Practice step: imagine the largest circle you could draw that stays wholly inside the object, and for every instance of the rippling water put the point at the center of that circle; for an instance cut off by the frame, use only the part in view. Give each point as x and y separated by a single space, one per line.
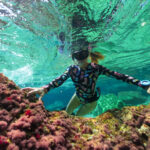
36 37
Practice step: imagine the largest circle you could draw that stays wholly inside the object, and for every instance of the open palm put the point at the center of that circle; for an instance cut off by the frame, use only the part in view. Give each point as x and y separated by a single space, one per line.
33 91
148 90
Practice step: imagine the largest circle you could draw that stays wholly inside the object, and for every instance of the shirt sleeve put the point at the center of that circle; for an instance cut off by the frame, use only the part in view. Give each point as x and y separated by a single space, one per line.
58 81
119 76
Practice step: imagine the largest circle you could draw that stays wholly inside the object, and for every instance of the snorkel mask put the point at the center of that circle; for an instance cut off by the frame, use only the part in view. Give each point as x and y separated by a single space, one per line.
80 55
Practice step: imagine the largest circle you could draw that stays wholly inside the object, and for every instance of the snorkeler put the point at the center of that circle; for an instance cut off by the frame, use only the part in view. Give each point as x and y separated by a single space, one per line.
84 75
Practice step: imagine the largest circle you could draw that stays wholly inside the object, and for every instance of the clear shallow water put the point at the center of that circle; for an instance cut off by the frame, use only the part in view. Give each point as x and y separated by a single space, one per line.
36 37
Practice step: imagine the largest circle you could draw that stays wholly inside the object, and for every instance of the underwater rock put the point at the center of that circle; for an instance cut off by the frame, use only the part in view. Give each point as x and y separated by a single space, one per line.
128 97
26 124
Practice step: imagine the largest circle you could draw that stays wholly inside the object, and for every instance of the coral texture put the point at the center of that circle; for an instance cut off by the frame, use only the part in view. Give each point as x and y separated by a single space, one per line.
25 124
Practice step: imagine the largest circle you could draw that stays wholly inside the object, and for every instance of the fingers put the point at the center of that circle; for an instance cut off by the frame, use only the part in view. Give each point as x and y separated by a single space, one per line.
32 92
148 91
40 98
27 88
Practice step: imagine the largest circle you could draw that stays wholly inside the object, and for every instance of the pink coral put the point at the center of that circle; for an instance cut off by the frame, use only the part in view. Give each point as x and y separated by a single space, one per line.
148 144
135 138
147 119
3 125
59 139
29 125
3 142
31 143
16 136
122 146
43 143
13 147
86 130
5 116
11 85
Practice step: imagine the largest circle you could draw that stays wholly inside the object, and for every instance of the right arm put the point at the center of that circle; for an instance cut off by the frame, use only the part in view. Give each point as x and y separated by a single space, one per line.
58 81
53 84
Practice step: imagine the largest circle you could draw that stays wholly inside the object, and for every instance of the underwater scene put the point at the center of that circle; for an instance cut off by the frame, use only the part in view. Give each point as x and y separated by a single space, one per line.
37 37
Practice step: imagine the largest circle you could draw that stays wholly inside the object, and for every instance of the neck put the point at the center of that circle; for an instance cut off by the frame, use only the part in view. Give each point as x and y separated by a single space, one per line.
83 65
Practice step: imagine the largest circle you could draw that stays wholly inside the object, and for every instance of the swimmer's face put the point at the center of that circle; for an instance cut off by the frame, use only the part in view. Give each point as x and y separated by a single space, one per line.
80 55
81 62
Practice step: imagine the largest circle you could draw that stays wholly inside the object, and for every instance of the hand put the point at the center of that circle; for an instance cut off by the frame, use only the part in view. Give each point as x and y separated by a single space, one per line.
148 90
40 91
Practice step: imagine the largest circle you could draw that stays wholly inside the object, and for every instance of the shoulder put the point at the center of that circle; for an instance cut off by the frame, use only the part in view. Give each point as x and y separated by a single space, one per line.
71 67
96 66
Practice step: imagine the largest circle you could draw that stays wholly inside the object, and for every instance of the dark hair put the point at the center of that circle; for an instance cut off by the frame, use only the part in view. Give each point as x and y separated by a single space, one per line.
80 55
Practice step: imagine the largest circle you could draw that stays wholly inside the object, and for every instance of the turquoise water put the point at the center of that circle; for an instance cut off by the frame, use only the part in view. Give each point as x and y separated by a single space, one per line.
36 38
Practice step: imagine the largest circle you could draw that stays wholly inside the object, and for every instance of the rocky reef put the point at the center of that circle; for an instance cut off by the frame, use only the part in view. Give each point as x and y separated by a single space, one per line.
26 125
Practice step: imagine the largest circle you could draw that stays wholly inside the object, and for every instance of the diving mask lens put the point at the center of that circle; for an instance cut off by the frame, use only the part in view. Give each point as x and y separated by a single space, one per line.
80 55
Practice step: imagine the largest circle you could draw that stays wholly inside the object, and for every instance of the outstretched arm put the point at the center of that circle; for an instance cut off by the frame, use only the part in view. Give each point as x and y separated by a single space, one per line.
55 83
126 78
58 81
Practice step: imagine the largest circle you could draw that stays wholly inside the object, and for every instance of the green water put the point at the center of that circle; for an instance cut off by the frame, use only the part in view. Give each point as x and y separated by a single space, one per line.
31 53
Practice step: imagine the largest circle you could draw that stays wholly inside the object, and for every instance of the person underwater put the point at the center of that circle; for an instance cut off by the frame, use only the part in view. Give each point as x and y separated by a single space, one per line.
84 74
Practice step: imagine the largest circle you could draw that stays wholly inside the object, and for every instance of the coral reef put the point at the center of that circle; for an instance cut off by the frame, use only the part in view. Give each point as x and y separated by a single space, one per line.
25 124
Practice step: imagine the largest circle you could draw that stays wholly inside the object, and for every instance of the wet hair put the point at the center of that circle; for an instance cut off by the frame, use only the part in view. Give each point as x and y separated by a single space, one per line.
96 56
83 54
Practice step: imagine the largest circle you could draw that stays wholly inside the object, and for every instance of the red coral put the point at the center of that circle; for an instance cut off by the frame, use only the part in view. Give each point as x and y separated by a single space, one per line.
28 113
37 136
3 141
77 136
9 98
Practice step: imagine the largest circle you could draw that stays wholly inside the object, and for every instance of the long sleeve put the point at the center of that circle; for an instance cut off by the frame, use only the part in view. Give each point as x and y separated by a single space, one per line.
124 77
58 81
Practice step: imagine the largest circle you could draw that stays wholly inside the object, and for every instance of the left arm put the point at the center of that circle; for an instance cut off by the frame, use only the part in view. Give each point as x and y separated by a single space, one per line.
126 78
58 81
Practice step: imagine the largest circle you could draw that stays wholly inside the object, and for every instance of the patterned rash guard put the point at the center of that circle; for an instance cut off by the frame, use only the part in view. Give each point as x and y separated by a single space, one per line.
85 80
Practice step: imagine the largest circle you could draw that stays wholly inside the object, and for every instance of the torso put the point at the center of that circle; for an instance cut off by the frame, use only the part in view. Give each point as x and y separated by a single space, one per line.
84 80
